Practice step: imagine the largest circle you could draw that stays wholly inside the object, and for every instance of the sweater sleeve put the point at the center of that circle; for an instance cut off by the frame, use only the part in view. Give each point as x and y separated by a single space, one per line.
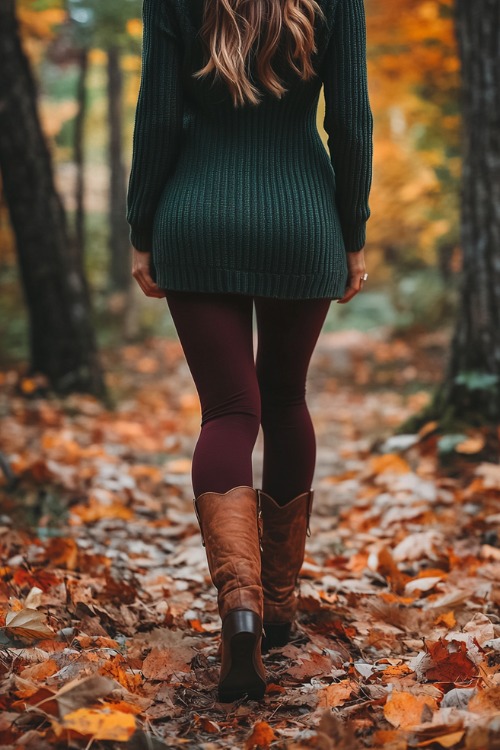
158 120
348 120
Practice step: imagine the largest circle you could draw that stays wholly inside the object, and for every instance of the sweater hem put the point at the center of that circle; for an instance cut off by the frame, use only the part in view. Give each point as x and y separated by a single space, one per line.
254 283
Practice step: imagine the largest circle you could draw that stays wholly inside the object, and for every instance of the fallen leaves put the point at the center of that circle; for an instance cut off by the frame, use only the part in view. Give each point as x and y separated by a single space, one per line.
337 694
162 663
28 625
261 737
109 626
99 724
406 710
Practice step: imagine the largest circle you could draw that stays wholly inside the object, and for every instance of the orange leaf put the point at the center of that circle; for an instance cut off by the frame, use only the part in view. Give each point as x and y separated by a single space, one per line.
447 619
101 724
486 701
40 671
336 694
261 737
445 740
272 687
471 445
427 428
406 710
206 724
131 681
62 553
389 462
44 579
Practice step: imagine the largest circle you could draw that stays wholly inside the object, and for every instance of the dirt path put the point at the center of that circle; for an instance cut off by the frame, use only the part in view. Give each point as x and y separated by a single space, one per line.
397 637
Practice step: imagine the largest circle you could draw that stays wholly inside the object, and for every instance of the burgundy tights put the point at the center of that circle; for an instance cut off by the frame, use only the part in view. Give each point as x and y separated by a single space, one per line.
238 394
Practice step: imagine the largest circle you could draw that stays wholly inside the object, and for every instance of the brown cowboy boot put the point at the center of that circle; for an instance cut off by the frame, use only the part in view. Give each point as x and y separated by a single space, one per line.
230 533
283 546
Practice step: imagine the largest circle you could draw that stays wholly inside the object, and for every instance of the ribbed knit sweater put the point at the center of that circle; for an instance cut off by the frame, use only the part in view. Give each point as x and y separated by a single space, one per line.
249 200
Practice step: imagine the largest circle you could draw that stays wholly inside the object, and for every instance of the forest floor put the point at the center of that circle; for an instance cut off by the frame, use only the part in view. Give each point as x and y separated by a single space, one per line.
109 630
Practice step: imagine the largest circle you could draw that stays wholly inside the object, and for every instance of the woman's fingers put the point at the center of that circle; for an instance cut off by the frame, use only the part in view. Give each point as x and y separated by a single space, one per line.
142 274
356 266
148 286
354 285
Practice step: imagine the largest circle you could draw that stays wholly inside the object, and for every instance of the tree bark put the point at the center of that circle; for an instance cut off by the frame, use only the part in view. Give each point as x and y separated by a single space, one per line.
62 339
120 274
81 96
471 391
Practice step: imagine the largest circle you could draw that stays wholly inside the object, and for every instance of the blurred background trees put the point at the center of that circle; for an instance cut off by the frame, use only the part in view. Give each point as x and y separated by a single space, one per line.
86 56
61 333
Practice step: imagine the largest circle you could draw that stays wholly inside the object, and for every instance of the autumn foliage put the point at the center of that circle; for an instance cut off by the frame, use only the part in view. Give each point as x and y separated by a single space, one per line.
109 627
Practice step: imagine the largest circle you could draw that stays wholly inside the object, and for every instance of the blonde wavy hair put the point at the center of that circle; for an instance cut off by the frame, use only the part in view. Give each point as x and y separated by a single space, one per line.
231 29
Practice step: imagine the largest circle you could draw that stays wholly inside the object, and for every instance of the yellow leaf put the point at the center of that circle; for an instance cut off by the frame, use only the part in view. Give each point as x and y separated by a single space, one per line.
134 27
101 724
389 462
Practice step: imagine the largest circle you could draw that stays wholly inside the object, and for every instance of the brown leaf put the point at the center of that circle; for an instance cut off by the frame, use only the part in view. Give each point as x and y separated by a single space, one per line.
62 553
173 655
78 692
450 662
307 668
28 625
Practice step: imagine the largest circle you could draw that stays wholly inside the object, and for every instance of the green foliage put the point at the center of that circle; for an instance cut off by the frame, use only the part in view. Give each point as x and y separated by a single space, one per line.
448 443
40 5
104 24
477 380
422 298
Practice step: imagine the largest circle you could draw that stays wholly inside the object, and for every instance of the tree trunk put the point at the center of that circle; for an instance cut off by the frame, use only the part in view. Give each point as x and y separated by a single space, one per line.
61 335
81 96
120 273
471 391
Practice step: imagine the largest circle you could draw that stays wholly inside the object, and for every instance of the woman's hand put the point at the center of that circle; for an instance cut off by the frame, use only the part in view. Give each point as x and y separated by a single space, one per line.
356 266
141 271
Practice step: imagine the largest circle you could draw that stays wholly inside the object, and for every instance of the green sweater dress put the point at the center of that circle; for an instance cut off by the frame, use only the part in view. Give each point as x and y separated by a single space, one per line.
249 200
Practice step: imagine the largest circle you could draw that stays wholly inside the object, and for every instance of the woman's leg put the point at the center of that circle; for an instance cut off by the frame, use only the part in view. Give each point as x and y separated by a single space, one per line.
288 331
215 332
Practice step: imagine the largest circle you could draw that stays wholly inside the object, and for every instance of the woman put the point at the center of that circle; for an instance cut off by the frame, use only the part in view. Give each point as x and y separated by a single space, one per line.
233 202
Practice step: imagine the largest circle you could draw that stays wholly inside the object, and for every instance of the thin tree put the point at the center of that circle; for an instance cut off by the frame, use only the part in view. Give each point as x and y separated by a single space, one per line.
104 25
62 340
119 242
470 393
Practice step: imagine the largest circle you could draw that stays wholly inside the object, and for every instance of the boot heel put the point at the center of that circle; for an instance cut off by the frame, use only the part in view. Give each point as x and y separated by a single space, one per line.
275 635
241 639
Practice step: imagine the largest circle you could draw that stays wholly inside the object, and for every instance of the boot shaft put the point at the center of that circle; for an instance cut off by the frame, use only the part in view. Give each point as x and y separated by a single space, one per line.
229 525
285 528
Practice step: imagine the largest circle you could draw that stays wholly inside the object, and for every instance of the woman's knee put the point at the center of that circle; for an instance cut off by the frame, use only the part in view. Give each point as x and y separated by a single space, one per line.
242 407
279 405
